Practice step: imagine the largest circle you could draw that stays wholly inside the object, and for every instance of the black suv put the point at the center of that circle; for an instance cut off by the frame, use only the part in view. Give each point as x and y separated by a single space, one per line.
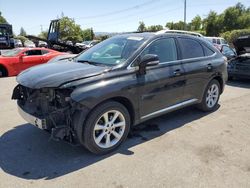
95 97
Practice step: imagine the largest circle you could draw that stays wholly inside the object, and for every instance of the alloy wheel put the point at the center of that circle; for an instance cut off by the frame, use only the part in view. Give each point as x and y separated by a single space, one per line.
212 95
109 129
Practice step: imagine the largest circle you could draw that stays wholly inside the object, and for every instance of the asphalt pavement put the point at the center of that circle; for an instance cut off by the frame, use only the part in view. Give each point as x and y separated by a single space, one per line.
186 148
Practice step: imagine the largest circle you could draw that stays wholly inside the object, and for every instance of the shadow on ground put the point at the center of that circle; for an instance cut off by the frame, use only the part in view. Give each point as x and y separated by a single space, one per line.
242 83
27 152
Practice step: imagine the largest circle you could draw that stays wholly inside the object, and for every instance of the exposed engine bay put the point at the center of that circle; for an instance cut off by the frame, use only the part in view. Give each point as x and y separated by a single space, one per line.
50 109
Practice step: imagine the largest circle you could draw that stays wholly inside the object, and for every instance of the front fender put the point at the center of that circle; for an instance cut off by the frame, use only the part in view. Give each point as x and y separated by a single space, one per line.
92 94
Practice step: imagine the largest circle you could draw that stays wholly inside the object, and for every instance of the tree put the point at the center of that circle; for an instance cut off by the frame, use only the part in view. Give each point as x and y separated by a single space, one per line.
213 24
69 30
2 19
88 34
175 26
22 32
154 28
142 27
22 38
233 18
196 23
170 25
43 34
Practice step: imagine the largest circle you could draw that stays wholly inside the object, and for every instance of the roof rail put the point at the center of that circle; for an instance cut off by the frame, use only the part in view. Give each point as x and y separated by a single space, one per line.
179 32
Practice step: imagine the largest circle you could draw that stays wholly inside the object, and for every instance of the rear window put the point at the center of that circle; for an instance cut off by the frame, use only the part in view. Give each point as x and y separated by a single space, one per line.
190 48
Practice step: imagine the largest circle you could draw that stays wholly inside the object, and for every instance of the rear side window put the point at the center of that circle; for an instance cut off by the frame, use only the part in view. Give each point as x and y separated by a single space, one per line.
190 48
164 48
45 52
208 51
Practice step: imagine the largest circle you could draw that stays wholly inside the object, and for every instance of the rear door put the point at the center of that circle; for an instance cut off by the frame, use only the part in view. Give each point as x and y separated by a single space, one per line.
197 60
162 86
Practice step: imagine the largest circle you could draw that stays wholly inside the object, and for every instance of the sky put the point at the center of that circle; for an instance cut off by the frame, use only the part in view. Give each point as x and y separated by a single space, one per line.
108 15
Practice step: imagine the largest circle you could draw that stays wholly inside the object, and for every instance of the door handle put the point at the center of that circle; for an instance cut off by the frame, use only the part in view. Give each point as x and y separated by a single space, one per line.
177 72
209 67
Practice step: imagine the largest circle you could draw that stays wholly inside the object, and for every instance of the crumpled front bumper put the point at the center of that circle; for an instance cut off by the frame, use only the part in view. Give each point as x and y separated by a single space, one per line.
38 122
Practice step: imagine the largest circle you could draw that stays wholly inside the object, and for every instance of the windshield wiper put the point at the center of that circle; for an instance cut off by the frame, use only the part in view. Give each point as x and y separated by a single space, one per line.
90 62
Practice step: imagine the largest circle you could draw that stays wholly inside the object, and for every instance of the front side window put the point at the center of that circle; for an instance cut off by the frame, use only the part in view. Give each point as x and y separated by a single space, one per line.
164 48
190 48
33 52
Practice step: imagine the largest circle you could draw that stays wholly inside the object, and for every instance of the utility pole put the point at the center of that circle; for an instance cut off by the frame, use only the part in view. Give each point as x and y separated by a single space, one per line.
185 14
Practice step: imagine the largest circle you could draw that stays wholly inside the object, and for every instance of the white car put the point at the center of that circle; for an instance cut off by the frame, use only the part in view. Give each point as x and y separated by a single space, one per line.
217 40
29 44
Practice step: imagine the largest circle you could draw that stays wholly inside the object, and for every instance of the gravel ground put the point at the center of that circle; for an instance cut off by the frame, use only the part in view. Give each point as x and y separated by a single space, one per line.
186 148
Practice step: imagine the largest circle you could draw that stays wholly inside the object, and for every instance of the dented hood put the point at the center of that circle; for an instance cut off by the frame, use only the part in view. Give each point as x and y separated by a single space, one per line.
55 74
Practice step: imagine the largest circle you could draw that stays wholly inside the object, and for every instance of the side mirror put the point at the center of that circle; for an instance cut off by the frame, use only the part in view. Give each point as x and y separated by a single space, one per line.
148 61
21 56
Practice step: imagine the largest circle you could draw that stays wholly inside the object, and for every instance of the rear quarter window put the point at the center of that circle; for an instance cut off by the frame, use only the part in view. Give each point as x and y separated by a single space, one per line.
190 48
45 52
208 51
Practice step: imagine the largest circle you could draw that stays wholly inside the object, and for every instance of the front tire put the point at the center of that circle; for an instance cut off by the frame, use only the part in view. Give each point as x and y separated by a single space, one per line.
210 97
106 127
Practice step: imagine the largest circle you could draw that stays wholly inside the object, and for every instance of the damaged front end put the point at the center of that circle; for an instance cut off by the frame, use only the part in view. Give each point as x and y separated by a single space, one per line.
50 109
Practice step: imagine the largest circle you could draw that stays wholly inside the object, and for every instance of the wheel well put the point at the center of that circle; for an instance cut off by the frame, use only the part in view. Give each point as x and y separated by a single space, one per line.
127 103
219 79
5 71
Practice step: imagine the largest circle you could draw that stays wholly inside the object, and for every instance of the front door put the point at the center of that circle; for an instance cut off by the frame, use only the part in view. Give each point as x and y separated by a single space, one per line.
31 58
162 86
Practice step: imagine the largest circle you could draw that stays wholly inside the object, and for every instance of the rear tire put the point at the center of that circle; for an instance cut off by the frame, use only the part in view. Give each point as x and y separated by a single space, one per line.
3 72
211 96
106 127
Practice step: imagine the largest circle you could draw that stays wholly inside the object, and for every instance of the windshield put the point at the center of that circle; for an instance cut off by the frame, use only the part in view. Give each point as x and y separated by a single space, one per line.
11 53
3 31
112 51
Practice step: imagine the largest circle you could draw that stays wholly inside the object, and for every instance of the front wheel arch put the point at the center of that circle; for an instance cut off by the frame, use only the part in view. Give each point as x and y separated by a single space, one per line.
84 128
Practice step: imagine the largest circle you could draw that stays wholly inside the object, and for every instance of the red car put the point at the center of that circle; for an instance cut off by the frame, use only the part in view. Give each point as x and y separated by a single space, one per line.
12 62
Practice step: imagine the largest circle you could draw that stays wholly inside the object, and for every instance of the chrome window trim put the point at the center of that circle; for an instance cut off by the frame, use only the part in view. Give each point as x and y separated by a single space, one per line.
169 62
190 101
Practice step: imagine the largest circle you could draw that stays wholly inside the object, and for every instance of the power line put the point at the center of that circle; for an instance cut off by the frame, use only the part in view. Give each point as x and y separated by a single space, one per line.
118 11
128 16
165 12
